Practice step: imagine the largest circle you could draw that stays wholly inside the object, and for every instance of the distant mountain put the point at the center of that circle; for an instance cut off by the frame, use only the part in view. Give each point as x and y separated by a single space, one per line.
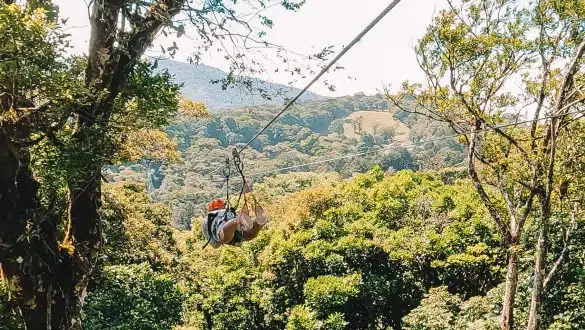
198 86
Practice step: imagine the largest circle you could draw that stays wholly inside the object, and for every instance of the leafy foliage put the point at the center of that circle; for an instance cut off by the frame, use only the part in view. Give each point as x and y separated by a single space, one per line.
411 249
149 145
133 297
137 230
9 319
134 287
352 255
63 119
193 109
442 310
469 54
328 293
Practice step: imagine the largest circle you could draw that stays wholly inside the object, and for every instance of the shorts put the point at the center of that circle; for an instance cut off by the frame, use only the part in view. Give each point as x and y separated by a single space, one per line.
219 219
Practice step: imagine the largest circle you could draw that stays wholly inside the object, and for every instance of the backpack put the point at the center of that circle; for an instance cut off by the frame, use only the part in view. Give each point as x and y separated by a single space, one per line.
211 217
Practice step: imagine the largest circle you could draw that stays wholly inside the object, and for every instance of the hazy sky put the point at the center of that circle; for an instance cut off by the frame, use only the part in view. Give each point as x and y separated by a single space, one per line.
384 56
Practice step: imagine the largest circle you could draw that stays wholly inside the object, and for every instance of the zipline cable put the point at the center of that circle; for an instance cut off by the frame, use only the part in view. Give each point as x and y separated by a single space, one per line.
325 69
487 129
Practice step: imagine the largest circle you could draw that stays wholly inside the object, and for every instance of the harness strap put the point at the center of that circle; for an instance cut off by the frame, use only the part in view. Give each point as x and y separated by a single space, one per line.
227 171
210 220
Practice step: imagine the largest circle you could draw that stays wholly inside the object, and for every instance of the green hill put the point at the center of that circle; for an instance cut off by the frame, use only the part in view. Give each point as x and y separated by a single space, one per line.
307 133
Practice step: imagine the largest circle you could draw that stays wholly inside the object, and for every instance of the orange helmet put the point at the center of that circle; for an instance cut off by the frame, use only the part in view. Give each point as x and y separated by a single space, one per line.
216 204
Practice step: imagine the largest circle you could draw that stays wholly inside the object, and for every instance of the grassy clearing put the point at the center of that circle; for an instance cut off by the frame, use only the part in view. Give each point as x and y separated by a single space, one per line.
373 121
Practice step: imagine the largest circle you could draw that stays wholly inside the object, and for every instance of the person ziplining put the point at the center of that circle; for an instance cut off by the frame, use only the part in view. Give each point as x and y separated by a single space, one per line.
222 226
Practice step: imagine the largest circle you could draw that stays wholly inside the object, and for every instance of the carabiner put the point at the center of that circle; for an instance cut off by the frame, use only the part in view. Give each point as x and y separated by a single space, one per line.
227 170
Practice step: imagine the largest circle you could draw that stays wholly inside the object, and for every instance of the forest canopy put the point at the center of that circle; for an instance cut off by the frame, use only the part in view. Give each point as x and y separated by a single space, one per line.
458 203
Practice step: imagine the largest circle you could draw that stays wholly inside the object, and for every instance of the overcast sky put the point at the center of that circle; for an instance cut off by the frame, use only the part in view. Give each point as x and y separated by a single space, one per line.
384 56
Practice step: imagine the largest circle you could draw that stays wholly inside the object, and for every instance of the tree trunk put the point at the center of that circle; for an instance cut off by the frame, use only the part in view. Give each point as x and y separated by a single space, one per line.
539 271
86 235
510 234
507 317
46 276
46 281
46 305
537 281
18 204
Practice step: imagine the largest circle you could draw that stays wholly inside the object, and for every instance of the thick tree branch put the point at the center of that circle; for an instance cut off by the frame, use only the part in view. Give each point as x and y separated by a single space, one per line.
494 213
566 242
509 206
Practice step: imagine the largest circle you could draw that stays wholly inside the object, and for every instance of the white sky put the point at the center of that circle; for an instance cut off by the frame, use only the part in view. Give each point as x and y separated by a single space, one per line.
384 56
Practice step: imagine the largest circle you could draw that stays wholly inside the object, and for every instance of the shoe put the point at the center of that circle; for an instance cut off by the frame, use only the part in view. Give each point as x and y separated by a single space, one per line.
261 217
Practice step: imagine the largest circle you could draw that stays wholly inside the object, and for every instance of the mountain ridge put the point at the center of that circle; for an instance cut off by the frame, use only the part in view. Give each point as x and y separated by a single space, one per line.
198 86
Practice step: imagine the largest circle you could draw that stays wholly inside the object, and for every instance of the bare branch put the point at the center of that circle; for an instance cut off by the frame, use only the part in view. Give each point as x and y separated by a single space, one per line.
572 69
527 210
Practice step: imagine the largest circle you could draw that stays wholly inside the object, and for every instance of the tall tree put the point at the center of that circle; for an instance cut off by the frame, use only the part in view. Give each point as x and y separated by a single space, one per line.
62 120
561 41
470 55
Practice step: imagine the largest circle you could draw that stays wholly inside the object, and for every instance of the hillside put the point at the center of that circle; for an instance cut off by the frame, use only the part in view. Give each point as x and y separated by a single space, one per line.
197 79
309 132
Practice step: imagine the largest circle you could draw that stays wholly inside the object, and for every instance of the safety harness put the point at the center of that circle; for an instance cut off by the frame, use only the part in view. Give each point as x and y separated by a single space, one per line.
212 217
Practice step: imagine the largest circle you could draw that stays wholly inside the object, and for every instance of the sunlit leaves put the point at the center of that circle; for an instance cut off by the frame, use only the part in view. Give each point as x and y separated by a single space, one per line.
327 293
435 312
33 71
329 253
193 109
149 101
136 229
302 318
134 297
442 310
149 145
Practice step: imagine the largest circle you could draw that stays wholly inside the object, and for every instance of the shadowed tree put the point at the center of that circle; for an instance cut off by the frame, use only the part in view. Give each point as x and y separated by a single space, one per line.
62 120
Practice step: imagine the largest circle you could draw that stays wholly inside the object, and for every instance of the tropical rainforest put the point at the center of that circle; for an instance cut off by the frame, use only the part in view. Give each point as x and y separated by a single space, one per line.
451 203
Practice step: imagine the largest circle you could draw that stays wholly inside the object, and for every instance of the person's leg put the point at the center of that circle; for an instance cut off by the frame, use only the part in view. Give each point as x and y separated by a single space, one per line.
260 221
244 216
251 233
227 231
